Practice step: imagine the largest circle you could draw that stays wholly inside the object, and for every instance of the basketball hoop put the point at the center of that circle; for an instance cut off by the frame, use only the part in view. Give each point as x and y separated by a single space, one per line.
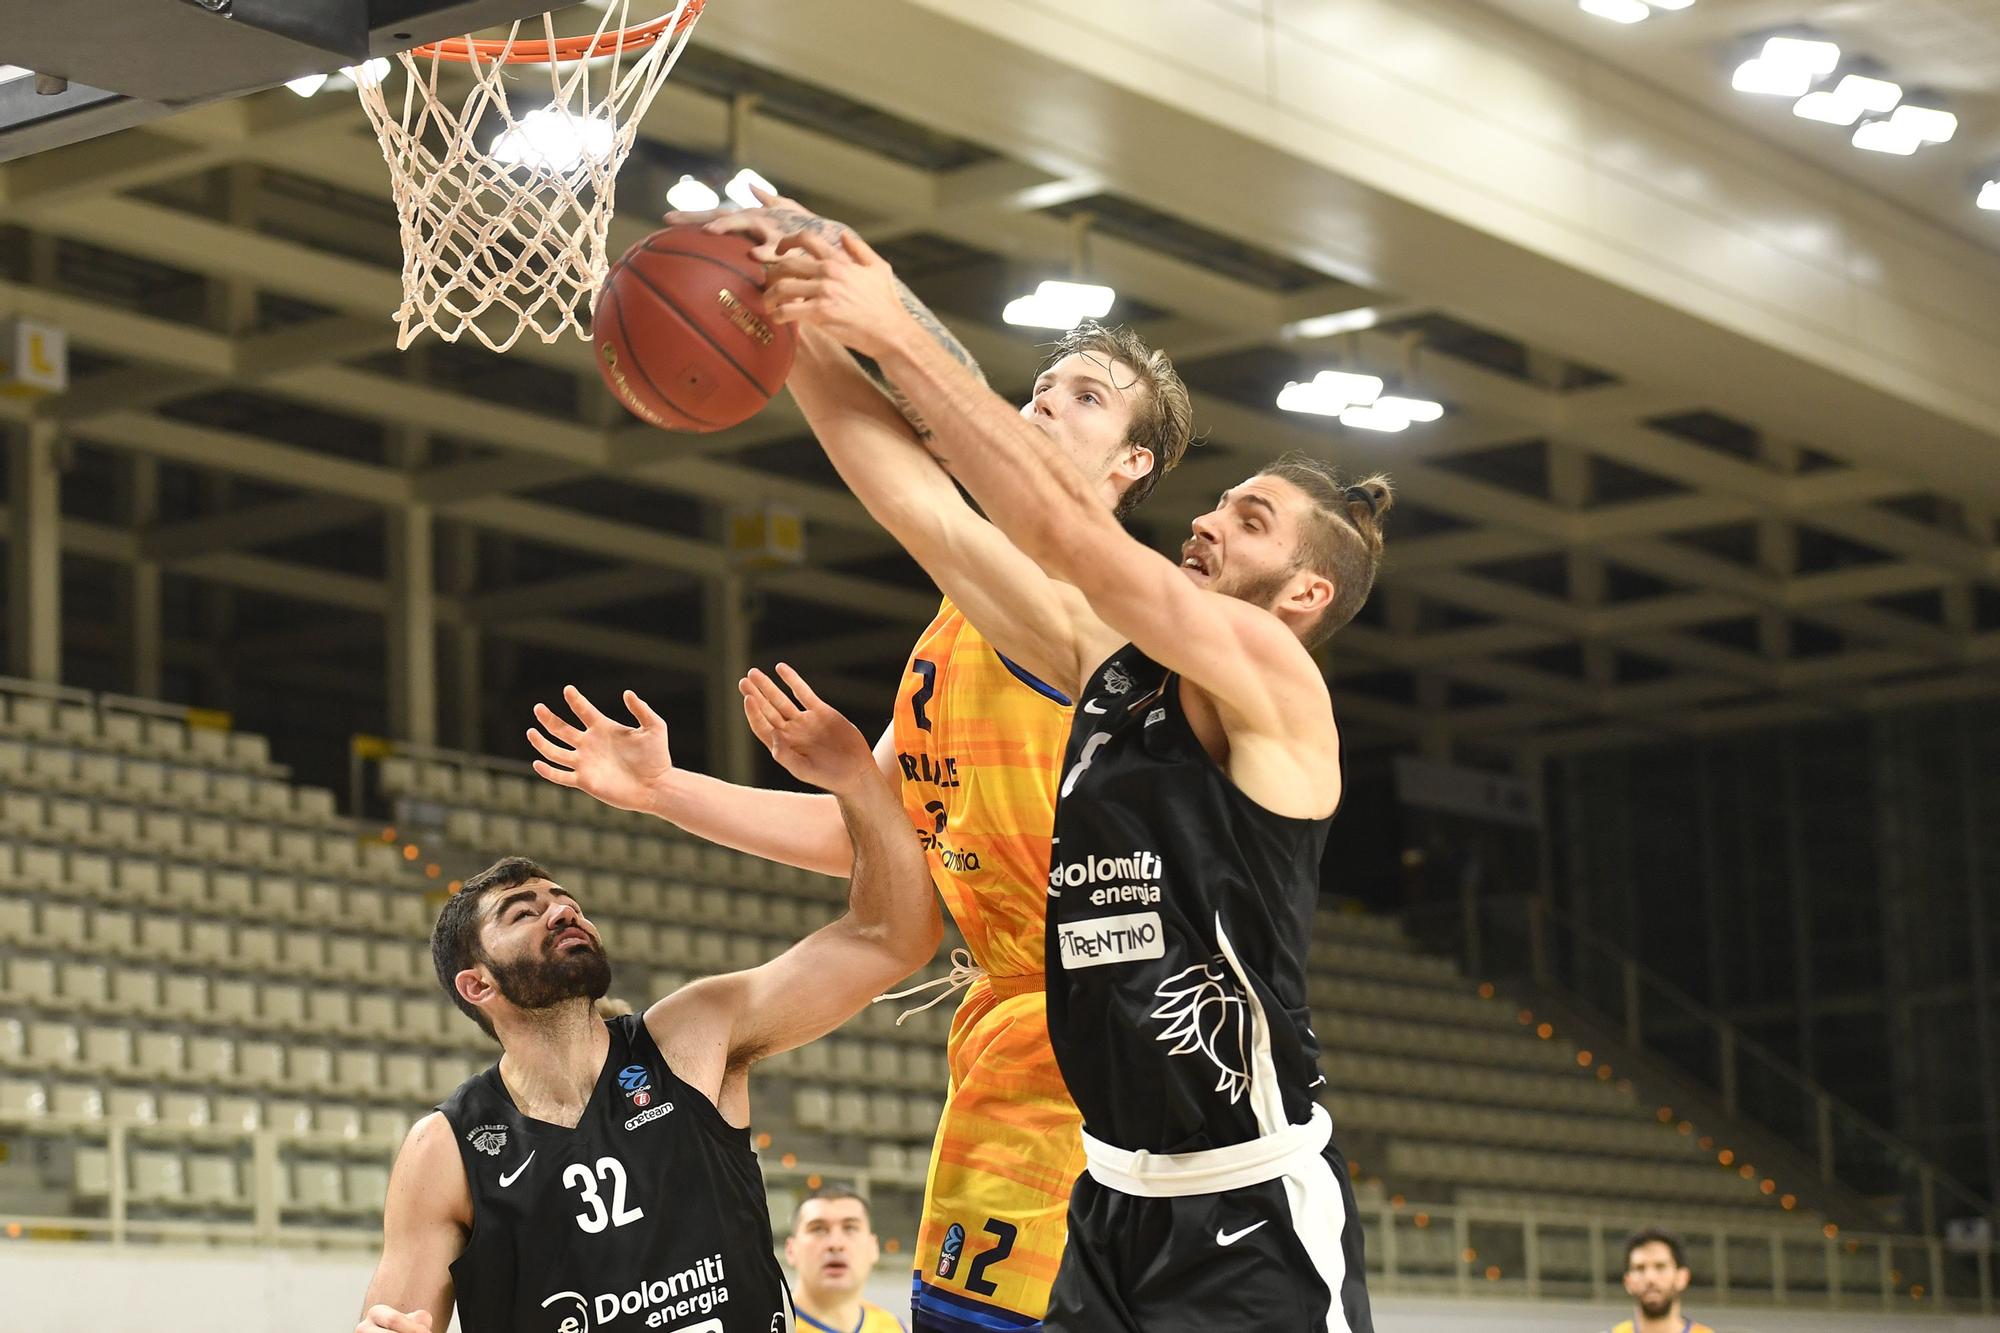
518 225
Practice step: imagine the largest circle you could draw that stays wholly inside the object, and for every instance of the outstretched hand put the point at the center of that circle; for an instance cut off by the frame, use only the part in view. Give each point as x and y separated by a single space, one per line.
619 765
839 285
775 218
811 738
388 1319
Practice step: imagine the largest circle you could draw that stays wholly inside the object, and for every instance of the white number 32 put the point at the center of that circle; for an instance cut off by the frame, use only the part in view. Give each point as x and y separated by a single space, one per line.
578 1177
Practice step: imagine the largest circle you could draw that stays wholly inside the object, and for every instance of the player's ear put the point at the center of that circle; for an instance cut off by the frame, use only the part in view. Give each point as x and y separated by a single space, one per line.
1138 463
1312 592
475 985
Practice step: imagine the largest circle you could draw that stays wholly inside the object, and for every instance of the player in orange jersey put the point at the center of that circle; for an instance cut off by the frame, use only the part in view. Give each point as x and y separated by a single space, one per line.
975 743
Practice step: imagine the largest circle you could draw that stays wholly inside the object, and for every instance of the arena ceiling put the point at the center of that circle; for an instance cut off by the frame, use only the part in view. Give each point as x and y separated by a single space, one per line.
1722 416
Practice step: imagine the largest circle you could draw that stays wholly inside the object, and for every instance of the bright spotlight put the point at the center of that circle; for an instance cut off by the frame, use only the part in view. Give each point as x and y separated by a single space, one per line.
688 195
308 85
1349 388
555 141
1989 196
1869 94
369 73
1060 305
1373 418
1827 108
1411 409
738 188
1886 136
1927 123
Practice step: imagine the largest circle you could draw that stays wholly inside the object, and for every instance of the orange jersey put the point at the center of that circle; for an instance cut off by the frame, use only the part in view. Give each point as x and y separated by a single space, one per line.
980 744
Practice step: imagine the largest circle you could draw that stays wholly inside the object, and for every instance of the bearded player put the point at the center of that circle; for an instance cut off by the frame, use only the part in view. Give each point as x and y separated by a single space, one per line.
975 745
600 1176
1200 779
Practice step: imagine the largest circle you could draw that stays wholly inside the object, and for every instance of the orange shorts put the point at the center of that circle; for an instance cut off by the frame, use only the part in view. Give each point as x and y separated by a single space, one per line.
1009 1147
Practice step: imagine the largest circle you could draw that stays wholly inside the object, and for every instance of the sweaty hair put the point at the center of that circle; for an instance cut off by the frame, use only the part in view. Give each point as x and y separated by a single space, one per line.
1342 539
455 938
832 1193
1656 1236
1163 421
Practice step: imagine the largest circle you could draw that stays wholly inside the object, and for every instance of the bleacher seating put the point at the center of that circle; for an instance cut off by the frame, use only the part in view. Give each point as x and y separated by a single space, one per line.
193 948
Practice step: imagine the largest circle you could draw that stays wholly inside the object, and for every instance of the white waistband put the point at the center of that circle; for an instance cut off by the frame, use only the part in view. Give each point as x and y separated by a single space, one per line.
1176 1175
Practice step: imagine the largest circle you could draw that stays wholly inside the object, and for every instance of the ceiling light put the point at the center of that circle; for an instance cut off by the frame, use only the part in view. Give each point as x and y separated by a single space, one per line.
1814 57
1308 397
1410 409
1328 326
1060 305
688 195
1618 11
1761 76
1989 196
738 188
307 86
1349 388
554 140
1886 136
1672 4
1828 108
1927 123
1373 418
369 73
1869 94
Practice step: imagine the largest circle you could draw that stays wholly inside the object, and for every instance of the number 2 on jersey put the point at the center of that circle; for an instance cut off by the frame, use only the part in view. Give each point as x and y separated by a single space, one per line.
922 698
579 1177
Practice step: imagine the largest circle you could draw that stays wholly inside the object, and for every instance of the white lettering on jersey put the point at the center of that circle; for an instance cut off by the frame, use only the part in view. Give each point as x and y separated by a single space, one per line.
1111 939
1090 749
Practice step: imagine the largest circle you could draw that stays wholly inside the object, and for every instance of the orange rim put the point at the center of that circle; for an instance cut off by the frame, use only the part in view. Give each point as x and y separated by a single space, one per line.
464 51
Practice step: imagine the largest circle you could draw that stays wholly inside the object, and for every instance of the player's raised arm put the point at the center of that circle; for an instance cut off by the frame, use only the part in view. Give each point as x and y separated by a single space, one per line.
425 1220
1034 493
632 768
1032 619
891 926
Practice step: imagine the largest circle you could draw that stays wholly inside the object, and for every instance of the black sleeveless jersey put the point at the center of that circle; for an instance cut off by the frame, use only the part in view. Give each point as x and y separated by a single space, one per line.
1179 914
650 1214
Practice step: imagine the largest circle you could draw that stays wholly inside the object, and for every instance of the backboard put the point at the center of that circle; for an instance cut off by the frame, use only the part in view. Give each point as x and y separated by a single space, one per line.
108 64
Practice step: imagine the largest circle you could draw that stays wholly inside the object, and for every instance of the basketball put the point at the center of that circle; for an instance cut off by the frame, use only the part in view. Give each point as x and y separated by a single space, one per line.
682 336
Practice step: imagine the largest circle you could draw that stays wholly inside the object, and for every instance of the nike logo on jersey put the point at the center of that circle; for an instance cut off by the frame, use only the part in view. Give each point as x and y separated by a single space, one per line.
1226 1238
515 1174
1092 706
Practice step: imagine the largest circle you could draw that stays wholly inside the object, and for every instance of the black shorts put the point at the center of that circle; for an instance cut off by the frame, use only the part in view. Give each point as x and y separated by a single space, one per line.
1281 1257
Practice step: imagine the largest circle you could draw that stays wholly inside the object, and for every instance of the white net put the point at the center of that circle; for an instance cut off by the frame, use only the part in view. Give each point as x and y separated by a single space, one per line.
505 217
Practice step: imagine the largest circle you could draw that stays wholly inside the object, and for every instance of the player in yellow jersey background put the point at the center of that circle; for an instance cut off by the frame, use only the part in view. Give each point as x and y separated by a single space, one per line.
831 1252
975 743
1656 1276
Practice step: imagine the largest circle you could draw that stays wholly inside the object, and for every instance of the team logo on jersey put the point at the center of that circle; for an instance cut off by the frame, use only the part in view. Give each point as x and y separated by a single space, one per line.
1116 681
1157 715
1206 1015
489 1139
572 1315
1128 938
954 1245
637 1080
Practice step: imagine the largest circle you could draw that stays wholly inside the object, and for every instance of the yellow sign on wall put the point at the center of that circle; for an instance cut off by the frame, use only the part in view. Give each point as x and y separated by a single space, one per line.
34 359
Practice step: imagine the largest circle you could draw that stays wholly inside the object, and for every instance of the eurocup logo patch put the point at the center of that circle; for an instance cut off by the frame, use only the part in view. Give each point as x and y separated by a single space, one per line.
637 1081
954 1245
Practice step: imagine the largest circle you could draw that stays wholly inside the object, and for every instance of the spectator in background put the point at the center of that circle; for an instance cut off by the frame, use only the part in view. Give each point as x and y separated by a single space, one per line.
1656 1274
831 1251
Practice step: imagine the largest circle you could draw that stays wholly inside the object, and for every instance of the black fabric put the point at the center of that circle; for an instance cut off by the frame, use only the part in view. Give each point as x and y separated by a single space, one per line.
650 1214
1156 850
1138 1265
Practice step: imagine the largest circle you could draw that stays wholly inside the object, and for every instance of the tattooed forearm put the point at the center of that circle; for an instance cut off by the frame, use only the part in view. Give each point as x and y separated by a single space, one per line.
791 221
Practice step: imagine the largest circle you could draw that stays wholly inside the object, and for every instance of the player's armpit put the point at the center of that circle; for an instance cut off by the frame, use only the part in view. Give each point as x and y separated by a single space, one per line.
425 1220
